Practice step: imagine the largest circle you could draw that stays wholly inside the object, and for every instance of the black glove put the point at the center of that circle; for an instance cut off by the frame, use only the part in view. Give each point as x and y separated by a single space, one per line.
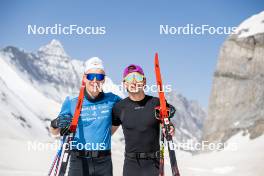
170 110
64 121
55 123
64 124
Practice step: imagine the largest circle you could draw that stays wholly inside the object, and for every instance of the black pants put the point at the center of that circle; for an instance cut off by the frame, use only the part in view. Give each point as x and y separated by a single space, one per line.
81 166
141 167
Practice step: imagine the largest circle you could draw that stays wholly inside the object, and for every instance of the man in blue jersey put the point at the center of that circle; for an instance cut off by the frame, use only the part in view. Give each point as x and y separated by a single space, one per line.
91 147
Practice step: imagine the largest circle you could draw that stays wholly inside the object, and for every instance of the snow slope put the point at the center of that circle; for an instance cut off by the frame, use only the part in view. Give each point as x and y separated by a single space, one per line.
23 108
246 160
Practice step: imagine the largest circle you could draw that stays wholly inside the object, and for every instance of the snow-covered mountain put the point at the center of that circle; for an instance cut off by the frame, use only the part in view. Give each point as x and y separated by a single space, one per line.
50 67
33 85
24 109
237 97
188 118
251 26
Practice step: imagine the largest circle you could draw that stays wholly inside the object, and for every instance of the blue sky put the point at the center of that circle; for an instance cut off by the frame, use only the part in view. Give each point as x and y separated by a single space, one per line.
132 35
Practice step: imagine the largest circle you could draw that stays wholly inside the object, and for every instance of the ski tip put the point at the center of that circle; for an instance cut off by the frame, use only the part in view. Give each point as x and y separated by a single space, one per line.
156 58
83 79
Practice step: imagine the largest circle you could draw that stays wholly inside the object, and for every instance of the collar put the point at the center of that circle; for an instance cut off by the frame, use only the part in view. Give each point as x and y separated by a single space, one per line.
94 99
141 102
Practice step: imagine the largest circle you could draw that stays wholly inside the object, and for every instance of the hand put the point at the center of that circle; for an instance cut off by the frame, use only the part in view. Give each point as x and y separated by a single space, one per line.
64 124
55 123
64 121
170 110
171 132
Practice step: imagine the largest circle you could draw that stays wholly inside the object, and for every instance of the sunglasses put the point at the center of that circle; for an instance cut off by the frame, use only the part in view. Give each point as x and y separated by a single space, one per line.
134 76
91 76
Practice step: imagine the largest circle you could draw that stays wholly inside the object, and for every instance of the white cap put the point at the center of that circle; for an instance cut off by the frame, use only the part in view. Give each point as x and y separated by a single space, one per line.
94 63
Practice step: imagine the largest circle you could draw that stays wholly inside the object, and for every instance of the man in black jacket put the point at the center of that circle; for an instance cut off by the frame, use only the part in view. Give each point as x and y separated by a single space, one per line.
136 114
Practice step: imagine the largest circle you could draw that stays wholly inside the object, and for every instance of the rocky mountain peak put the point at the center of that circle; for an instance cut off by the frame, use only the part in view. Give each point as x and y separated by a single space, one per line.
54 48
237 97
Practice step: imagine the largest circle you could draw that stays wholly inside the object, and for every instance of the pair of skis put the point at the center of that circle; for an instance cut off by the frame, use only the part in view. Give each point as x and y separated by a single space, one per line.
164 117
59 165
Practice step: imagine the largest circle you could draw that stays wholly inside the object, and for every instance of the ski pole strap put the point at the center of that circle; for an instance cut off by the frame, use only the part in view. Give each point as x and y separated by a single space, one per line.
143 155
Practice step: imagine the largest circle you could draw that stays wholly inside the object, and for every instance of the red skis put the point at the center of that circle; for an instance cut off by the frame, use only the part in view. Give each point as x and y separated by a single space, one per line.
166 124
74 123
78 108
61 161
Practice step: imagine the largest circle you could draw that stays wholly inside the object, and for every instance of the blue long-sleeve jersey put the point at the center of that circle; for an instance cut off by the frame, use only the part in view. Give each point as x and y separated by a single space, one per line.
95 121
